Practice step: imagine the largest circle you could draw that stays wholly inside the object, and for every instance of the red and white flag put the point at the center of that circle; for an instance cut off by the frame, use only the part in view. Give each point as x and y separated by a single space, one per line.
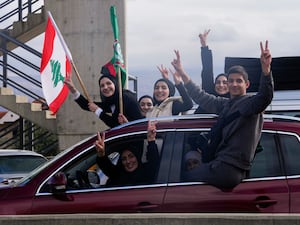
55 66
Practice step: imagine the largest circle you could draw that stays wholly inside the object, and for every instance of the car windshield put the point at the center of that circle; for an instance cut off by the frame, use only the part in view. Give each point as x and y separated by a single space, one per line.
18 164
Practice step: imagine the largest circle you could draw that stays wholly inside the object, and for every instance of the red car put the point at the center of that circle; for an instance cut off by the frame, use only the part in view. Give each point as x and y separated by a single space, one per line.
71 183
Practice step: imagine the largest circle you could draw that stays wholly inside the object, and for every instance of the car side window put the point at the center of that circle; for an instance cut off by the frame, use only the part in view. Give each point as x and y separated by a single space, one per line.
291 152
84 172
266 161
148 164
191 154
265 164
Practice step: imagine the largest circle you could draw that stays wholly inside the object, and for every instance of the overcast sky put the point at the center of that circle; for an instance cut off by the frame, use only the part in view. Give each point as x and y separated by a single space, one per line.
156 27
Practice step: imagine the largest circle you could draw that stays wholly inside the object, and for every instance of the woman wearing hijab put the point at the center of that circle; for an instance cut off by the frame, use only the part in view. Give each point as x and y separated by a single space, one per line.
108 110
217 87
165 103
192 161
130 170
146 104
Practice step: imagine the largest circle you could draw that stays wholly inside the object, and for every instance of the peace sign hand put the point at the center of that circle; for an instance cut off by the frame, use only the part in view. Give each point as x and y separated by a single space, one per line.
265 59
176 63
99 144
164 72
203 37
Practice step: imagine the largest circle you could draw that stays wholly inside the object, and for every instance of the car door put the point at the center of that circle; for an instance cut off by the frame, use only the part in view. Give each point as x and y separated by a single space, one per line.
290 144
265 190
100 198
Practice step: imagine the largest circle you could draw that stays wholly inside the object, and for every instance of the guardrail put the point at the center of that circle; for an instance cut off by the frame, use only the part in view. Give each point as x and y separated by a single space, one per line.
157 219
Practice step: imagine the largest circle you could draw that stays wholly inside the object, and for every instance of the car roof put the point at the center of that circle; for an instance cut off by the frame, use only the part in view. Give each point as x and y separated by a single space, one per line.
194 121
14 152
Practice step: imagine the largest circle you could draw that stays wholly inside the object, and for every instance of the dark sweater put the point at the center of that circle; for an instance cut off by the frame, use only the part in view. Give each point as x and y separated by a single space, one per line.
240 137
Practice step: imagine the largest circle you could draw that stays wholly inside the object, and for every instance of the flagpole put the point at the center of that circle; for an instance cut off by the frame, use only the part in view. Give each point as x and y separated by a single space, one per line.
120 91
81 83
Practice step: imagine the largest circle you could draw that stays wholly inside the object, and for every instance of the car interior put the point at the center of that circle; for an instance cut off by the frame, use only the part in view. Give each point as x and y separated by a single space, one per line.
84 172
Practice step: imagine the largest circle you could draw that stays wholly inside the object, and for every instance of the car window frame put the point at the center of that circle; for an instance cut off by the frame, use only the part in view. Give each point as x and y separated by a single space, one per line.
174 178
162 173
285 160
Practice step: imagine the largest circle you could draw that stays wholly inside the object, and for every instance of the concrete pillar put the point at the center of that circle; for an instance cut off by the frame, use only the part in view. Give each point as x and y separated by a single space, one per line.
86 28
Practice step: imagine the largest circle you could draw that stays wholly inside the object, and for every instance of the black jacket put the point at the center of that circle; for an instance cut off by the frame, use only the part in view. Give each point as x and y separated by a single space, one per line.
144 174
130 109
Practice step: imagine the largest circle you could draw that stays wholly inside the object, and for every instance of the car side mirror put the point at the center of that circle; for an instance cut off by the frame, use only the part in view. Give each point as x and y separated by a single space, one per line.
58 183
58 186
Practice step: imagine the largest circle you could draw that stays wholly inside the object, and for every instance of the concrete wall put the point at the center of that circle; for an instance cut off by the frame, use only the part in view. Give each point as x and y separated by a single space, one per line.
86 28
154 219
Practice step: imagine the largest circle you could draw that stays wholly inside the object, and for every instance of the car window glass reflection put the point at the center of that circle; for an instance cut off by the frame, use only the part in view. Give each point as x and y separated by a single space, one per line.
291 147
266 161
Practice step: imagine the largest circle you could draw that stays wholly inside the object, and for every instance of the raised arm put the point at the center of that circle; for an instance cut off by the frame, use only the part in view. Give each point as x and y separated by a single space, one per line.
104 163
207 76
264 96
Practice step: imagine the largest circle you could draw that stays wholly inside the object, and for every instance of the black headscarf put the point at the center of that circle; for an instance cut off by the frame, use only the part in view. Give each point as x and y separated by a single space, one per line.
137 152
112 100
171 87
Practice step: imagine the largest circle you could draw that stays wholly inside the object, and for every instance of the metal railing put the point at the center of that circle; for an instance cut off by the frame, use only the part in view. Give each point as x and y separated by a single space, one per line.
20 68
17 10
23 134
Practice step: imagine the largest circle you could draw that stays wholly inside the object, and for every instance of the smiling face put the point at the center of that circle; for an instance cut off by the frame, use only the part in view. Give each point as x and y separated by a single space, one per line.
221 86
107 87
145 105
161 91
237 85
129 161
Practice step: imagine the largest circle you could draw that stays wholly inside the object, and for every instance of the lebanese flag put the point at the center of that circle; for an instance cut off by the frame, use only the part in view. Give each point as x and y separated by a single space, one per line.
55 67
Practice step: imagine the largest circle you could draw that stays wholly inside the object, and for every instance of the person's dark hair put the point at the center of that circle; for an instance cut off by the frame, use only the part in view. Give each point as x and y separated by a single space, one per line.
171 87
238 69
145 96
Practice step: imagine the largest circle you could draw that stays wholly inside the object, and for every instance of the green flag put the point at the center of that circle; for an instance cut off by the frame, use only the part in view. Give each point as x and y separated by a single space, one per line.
117 59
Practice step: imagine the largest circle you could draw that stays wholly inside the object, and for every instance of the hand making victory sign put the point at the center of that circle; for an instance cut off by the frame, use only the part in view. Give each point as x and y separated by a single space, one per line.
99 144
265 59
176 63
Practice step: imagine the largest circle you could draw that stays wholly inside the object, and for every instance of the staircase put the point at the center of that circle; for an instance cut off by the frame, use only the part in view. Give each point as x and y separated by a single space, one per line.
24 31
31 111
21 90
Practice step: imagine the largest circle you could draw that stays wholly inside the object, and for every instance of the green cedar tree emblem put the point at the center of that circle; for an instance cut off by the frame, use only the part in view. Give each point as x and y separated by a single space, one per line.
56 72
